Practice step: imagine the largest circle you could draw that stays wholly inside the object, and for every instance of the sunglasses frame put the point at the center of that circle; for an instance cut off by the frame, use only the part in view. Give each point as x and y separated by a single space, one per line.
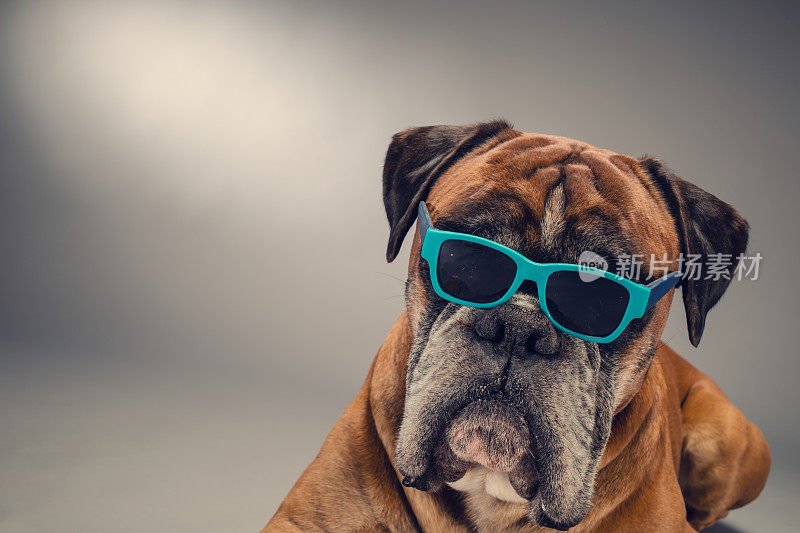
641 297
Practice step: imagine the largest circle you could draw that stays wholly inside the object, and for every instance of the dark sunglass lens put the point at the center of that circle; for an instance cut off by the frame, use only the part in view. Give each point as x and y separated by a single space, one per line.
594 307
473 272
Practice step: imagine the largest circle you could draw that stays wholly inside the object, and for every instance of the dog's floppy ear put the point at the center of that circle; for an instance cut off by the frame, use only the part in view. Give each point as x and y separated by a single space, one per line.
416 157
706 225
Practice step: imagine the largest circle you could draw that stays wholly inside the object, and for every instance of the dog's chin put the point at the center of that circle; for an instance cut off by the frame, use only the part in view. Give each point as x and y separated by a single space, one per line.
489 450
489 433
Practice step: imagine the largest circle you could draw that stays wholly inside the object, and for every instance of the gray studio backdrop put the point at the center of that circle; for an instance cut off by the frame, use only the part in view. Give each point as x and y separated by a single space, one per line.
192 274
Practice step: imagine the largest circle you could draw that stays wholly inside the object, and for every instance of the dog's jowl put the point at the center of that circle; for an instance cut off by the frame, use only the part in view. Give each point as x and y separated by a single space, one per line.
521 389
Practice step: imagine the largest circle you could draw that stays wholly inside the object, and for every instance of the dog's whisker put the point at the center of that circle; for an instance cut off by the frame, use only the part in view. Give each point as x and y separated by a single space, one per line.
673 336
392 277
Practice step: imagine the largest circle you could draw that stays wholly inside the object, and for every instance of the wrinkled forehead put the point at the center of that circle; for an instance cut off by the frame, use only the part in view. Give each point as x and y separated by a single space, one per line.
552 197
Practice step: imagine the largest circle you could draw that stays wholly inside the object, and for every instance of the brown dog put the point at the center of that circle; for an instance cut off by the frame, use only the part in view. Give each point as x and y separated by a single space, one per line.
497 420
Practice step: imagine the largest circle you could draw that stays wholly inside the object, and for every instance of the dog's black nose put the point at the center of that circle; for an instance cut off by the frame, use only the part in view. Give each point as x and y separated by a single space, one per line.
525 329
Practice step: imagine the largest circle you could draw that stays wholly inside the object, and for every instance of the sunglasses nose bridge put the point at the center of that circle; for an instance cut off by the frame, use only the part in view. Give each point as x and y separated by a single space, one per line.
530 278
532 272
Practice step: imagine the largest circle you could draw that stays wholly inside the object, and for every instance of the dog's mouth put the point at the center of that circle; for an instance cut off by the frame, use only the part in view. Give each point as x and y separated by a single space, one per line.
538 424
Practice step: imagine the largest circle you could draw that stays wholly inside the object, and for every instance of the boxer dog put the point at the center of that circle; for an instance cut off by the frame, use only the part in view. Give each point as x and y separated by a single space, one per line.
517 416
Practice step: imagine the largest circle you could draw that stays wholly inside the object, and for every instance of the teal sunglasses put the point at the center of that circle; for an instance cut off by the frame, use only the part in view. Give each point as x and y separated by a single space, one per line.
585 302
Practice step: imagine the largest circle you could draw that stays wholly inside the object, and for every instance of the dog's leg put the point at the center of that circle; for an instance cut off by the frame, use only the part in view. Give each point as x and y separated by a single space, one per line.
725 458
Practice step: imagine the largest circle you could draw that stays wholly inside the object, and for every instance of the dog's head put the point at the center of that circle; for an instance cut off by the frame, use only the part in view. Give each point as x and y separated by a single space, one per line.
501 388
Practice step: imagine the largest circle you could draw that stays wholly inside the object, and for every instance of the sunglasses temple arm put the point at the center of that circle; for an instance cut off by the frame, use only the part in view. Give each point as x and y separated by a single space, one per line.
661 287
424 221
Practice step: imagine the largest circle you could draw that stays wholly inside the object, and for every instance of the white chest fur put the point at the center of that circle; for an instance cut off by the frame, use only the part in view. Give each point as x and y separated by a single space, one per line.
480 479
